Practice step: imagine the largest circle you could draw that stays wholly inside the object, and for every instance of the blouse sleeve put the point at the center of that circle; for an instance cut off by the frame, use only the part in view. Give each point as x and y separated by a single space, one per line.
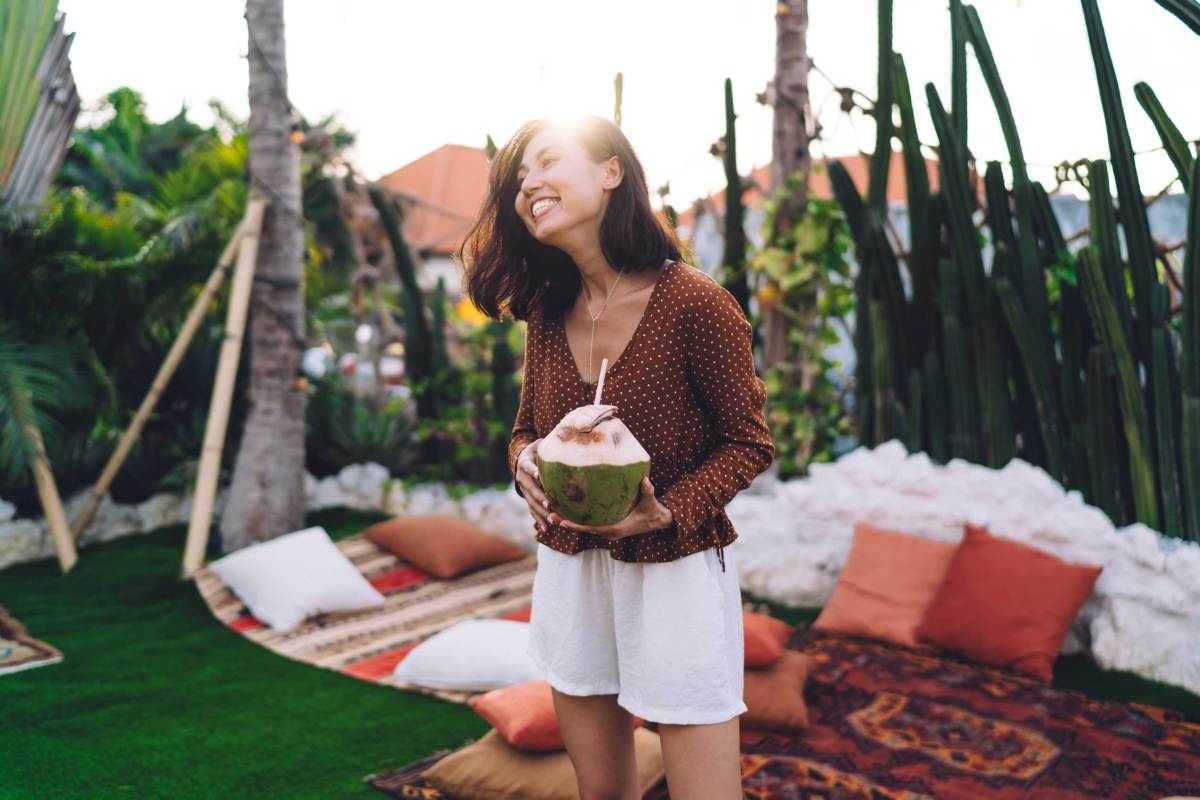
523 431
718 351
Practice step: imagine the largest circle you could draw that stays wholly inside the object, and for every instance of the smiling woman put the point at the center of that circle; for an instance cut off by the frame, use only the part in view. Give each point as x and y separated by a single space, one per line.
517 260
641 616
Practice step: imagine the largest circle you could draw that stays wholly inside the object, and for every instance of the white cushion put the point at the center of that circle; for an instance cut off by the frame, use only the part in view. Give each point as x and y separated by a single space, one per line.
473 655
292 577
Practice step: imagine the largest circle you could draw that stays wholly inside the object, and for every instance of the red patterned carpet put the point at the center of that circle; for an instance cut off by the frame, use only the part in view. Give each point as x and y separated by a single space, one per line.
892 722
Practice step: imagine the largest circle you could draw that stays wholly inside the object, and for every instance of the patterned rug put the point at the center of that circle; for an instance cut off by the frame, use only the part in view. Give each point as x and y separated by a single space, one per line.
891 723
20 651
368 644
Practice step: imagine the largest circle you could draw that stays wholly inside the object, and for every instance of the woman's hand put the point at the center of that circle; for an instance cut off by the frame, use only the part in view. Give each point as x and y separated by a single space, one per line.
647 515
531 485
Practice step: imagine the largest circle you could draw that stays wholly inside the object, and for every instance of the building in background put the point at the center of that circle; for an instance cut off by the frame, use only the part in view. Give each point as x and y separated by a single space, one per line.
446 188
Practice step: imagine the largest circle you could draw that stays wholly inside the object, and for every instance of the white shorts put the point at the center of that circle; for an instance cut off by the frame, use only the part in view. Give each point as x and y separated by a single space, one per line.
666 638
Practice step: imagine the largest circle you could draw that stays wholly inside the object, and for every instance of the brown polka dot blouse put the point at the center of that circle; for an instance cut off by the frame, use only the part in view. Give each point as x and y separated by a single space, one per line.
686 387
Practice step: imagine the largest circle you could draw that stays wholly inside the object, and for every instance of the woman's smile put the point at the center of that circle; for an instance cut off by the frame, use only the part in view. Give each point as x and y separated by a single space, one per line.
542 207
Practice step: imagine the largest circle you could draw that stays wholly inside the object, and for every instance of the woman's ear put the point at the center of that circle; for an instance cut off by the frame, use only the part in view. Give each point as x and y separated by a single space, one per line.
613 172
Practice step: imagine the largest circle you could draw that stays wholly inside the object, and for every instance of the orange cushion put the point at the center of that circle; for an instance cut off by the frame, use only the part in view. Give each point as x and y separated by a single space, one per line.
765 637
1006 604
524 715
774 696
888 582
442 545
489 769
520 615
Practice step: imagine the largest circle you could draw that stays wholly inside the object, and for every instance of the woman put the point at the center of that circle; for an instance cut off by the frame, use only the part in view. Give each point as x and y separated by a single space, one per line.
642 617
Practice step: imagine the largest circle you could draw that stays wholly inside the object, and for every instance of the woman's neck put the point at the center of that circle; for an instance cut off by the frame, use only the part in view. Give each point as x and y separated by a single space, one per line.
598 277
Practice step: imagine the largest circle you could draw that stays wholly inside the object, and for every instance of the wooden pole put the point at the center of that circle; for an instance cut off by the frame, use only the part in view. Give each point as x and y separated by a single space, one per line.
56 517
222 396
190 325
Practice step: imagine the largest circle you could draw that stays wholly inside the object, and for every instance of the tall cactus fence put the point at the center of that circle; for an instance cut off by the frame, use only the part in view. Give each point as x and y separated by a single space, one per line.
1085 362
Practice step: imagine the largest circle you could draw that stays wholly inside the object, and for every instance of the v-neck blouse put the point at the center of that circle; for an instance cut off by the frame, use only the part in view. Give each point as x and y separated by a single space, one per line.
561 327
685 385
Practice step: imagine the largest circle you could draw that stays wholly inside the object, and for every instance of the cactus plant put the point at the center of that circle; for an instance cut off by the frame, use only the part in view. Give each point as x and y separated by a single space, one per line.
1104 237
1070 361
1188 11
1133 414
1104 447
881 159
1129 193
1033 359
1189 372
418 340
1164 430
735 230
1176 146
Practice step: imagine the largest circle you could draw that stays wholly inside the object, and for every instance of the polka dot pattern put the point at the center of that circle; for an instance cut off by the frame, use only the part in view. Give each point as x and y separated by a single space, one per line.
686 387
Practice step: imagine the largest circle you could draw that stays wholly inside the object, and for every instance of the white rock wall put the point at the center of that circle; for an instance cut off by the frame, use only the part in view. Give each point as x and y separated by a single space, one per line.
1143 616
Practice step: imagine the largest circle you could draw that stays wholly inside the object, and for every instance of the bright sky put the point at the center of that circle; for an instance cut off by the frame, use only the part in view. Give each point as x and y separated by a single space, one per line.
410 76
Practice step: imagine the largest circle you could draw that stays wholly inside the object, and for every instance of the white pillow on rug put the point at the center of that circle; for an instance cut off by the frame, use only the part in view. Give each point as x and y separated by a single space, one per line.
475 655
288 579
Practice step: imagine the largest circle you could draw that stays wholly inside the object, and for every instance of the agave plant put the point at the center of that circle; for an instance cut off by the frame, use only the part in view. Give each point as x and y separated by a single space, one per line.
39 103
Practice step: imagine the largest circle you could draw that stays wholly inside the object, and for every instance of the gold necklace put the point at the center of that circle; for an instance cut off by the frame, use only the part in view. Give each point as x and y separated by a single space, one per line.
587 302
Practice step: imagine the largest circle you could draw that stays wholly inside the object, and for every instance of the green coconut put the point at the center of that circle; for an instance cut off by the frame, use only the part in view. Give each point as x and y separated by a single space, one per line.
592 467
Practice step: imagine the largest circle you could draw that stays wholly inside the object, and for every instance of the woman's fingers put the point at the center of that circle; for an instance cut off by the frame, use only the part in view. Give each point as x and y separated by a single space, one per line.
538 493
533 489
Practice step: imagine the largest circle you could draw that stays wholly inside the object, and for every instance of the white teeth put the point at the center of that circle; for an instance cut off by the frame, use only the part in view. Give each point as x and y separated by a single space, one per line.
540 206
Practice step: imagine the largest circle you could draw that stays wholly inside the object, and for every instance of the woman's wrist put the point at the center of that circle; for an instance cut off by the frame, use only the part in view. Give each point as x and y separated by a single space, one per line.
667 517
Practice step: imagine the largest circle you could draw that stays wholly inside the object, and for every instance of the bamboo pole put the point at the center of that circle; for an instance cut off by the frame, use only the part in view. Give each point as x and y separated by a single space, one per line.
56 517
190 325
222 395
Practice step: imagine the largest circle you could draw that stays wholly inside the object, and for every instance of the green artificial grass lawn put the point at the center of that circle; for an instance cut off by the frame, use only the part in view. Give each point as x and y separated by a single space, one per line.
155 698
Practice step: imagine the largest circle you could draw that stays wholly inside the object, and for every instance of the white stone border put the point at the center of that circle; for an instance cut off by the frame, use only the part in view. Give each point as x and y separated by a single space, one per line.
1143 616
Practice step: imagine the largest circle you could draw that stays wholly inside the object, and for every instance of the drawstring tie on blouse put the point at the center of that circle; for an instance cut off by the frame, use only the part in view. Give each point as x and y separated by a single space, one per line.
720 549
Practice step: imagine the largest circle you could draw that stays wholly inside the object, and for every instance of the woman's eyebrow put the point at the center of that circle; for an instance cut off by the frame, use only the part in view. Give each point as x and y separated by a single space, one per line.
536 156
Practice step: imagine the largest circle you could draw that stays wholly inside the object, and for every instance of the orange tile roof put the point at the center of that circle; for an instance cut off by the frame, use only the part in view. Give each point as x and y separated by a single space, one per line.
857 164
449 184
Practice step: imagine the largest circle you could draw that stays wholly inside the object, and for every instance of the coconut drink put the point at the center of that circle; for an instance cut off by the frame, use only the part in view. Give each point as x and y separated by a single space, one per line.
591 465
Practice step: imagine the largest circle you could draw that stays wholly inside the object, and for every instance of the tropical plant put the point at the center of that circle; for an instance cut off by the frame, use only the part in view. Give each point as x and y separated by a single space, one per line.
805 277
344 428
39 104
1070 360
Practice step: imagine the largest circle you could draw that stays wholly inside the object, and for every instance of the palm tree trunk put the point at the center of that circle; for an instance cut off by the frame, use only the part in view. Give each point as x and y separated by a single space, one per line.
266 497
789 143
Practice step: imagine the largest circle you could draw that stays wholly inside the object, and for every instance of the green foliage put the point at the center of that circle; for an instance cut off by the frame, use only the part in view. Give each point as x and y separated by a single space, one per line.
342 428
32 384
468 438
809 264
103 278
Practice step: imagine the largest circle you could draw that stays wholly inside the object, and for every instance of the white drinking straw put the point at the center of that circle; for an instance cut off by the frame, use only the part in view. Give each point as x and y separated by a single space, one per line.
600 383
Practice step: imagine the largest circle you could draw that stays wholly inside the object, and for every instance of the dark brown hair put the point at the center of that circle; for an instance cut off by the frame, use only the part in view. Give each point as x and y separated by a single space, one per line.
508 270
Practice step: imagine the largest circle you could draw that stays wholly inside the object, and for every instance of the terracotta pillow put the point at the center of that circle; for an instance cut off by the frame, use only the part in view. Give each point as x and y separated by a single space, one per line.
888 582
442 545
491 769
524 715
765 636
774 696
1006 604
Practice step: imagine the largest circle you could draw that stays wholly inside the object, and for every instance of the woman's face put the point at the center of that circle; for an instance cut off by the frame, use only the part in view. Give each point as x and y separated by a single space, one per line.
562 192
